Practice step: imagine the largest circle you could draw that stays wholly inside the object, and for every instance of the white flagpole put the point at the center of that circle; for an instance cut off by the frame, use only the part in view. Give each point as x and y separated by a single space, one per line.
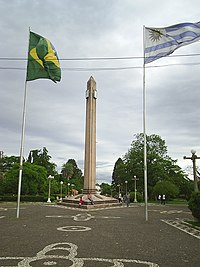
21 151
144 132
22 145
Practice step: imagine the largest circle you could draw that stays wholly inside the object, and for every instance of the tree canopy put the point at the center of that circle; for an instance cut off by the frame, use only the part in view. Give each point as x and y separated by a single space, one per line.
34 179
42 158
72 175
36 169
162 172
161 167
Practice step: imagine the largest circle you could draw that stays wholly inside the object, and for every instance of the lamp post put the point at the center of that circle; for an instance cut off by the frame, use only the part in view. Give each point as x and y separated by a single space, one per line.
61 183
72 188
49 195
68 184
126 186
135 179
120 196
193 158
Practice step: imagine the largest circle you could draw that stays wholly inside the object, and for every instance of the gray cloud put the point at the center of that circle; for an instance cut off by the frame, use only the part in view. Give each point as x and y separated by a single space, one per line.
55 115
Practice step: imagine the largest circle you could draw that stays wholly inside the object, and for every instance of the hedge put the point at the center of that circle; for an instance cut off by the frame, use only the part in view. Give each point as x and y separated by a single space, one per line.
24 198
194 205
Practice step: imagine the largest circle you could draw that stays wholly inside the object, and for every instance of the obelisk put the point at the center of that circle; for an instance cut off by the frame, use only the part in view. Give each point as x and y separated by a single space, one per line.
94 200
90 139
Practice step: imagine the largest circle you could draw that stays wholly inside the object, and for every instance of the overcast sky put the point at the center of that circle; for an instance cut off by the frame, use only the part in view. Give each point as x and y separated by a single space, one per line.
55 114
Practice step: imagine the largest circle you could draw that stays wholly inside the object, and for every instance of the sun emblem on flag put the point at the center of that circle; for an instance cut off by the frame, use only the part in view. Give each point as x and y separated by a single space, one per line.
155 35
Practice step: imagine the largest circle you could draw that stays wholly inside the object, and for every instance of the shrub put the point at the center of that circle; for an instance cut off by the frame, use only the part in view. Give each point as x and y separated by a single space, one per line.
138 195
8 198
24 198
194 205
29 198
165 188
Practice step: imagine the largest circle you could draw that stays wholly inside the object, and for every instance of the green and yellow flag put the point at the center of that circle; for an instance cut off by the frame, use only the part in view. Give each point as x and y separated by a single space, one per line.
43 60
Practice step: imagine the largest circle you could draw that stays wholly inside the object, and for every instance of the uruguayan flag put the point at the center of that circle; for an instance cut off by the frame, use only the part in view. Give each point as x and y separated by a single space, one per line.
160 42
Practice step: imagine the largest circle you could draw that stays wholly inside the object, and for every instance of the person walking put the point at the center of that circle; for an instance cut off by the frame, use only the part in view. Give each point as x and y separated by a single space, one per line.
127 199
159 199
163 199
120 198
90 199
80 202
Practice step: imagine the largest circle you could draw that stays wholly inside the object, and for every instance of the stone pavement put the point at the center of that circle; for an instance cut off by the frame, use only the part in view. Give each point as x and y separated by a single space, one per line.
51 235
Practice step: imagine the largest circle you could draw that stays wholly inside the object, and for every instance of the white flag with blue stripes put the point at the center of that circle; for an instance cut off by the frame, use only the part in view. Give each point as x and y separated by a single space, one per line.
161 42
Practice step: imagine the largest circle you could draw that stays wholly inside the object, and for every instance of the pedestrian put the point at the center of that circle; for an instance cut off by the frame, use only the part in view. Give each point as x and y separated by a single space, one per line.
159 199
124 198
120 198
80 202
127 199
90 199
163 199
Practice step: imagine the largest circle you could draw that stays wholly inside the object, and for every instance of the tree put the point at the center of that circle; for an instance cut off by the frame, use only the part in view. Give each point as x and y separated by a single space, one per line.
72 174
34 179
165 188
119 171
156 154
194 205
42 158
67 170
105 189
6 163
134 161
160 166
70 170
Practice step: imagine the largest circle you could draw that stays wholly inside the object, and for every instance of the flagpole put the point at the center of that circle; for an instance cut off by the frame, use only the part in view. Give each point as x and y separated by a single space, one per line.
144 131
22 146
21 150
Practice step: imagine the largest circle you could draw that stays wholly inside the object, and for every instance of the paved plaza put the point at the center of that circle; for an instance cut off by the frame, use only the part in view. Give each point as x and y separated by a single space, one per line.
51 235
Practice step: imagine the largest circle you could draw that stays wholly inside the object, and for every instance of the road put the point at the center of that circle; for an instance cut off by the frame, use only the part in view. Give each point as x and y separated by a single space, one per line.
51 235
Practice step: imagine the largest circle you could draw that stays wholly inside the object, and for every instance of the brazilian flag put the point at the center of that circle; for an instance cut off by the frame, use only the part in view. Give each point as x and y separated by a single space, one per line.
43 60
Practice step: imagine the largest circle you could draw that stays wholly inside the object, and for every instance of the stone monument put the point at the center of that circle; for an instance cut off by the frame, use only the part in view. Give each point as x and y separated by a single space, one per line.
90 139
89 197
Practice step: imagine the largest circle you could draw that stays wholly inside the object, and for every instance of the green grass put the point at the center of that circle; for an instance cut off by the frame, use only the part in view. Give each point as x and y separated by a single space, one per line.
178 201
173 201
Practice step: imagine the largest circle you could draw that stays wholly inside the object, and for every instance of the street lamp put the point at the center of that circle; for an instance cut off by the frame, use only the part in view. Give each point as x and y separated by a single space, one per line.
193 158
61 183
68 184
72 188
126 186
135 179
120 196
49 195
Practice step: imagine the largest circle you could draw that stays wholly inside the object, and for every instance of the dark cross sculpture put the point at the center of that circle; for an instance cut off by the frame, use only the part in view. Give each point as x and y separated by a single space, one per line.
193 158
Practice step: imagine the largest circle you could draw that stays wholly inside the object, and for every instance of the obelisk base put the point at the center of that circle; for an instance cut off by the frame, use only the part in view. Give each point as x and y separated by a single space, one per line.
98 201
